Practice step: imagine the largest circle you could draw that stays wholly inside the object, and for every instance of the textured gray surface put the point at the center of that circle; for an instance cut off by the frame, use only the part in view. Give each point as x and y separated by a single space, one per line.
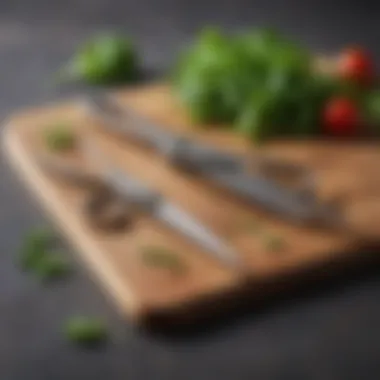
330 336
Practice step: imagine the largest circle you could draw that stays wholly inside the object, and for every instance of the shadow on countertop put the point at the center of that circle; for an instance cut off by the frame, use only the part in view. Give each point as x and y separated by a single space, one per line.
279 295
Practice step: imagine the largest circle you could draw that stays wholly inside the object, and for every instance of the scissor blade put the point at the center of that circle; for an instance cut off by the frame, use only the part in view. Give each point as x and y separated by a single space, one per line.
181 221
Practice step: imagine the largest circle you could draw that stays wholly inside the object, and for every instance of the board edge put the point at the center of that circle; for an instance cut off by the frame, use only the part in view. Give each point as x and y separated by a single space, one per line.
16 156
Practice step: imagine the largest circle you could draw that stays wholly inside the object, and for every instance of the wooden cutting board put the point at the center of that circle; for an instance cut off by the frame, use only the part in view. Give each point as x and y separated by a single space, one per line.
348 172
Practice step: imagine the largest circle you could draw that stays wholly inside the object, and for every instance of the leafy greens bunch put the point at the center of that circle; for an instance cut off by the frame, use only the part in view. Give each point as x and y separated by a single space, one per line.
259 82
105 59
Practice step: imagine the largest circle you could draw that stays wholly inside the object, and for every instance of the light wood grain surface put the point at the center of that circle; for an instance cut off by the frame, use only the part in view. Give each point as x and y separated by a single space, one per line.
348 172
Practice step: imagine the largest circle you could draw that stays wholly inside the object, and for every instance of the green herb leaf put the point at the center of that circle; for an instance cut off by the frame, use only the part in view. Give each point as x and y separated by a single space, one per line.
372 109
52 266
60 138
85 330
259 83
106 59
256 120
38 256
34 247
162 258
200 79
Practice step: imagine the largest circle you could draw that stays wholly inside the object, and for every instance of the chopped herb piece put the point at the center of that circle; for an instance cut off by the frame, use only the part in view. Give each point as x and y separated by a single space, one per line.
372 108
85 330
60 138
52 266
162 258
41 237
30 256
105 59
35 245
274 243
37 255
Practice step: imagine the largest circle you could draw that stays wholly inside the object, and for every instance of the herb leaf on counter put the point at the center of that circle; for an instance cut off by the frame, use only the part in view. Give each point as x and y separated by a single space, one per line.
52 266
85 330
34 247
159 257
106 59
39 257
59 138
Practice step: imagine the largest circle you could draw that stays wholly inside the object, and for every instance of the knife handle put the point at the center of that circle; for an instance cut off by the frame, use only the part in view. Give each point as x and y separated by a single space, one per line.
132 190
207 161
193 157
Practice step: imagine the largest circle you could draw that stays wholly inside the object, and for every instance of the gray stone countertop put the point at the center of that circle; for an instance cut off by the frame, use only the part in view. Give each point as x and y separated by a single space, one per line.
329 335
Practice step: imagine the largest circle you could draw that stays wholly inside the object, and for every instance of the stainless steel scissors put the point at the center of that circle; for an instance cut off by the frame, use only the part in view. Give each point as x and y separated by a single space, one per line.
298 204
131 195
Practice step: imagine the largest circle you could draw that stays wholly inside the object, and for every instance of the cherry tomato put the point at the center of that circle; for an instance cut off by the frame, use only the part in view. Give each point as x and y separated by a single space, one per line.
356 65
341 117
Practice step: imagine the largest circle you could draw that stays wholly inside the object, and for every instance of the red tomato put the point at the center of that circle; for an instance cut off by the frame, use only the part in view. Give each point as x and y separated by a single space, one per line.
356 65
341 117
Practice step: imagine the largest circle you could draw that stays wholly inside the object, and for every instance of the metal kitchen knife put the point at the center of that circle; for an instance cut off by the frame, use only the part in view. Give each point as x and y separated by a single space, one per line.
181 151
153 203
226 170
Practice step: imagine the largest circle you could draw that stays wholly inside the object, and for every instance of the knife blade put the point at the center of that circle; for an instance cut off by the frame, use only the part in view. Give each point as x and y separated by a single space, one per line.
160 208
224 169
180 151
296 207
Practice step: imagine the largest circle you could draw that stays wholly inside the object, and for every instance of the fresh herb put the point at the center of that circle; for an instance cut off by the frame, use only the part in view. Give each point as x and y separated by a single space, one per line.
217 78
260 83
372 108
256 119
200 81
59 138
85 330
52 266
39 257
162 258
35 245
106 59
274 243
